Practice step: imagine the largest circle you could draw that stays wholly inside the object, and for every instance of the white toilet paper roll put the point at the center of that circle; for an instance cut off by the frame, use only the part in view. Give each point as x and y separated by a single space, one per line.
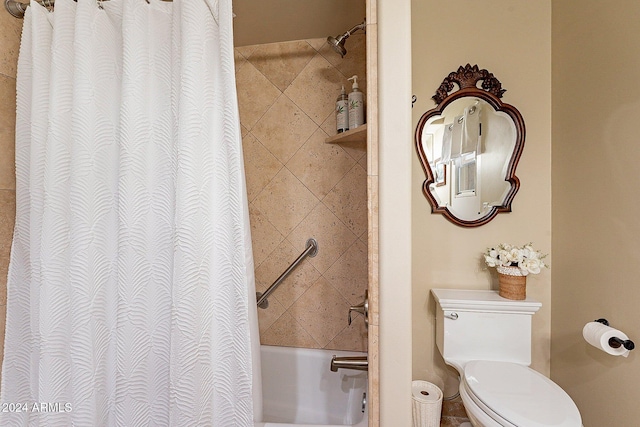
425 392
598 335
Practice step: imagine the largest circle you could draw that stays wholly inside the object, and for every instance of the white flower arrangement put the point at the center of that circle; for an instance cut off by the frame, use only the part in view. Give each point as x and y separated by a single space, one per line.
527 259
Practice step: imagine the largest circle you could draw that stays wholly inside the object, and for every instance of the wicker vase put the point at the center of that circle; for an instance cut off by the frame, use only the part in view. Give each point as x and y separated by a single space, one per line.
513 285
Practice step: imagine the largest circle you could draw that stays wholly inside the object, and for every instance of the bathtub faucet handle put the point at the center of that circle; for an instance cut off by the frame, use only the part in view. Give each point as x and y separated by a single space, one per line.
362 309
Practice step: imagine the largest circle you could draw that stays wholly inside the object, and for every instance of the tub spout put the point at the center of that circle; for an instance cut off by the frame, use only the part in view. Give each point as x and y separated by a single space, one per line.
361 363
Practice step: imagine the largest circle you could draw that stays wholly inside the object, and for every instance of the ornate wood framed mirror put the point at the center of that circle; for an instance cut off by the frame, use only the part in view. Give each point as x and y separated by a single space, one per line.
469 146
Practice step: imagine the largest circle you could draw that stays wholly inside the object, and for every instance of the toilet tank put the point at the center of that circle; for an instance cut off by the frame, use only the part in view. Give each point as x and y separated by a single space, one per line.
481 325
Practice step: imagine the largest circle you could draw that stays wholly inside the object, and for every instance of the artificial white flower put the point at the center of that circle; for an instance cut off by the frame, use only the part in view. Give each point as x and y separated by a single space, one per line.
515 255
491 261
503 257
529 265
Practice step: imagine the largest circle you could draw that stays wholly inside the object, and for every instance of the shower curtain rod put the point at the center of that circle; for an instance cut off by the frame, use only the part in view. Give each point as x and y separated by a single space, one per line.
17 8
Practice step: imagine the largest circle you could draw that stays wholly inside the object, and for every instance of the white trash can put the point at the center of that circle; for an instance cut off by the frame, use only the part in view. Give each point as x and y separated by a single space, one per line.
427 404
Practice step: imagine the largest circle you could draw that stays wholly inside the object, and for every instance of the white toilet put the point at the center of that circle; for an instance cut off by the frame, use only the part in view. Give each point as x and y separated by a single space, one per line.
487 339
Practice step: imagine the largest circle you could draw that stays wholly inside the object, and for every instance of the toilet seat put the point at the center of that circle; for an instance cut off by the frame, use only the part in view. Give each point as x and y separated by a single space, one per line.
515 395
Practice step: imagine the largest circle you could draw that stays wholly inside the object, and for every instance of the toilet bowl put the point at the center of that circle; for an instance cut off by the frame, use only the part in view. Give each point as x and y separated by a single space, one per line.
487 339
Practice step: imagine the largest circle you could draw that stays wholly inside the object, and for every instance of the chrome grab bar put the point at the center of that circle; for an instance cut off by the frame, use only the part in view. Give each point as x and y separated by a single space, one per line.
311 251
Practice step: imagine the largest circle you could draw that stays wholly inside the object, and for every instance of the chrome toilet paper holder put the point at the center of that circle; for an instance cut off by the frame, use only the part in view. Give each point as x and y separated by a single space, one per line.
615 342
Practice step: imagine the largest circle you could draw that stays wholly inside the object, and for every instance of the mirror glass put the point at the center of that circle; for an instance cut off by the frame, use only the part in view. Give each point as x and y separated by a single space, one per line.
469 147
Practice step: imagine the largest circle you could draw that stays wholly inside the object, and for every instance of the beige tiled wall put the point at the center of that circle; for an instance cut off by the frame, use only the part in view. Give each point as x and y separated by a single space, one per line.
300 187
10 29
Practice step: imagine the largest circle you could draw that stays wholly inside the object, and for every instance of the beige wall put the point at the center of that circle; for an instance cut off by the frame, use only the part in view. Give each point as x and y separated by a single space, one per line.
596 103
10 29
300 187
512 39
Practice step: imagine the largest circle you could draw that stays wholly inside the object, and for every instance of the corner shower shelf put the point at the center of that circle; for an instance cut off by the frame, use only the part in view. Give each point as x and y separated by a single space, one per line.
358 134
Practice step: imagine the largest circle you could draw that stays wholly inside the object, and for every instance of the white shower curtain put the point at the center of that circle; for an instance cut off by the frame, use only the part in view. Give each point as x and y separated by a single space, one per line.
131 270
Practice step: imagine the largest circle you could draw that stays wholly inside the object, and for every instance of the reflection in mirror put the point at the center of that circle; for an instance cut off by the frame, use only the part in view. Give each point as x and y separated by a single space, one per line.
476 142
469 146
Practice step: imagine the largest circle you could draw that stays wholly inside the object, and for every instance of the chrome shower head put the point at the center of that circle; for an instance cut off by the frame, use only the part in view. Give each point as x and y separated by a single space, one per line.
337 43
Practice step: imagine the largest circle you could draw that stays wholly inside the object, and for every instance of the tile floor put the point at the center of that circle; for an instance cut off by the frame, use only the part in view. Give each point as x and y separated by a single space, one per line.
452 421
453 413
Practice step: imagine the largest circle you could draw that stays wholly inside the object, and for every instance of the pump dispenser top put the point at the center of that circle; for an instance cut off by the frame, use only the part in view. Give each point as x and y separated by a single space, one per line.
356 105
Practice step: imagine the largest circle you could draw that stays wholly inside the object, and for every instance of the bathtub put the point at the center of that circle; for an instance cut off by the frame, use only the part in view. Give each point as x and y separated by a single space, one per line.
299 390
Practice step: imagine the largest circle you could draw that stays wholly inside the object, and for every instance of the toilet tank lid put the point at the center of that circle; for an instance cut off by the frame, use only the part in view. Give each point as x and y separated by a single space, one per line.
482 300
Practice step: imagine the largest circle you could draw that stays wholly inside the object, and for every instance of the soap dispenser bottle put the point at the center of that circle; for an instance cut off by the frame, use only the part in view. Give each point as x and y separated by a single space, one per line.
356 105
342 112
